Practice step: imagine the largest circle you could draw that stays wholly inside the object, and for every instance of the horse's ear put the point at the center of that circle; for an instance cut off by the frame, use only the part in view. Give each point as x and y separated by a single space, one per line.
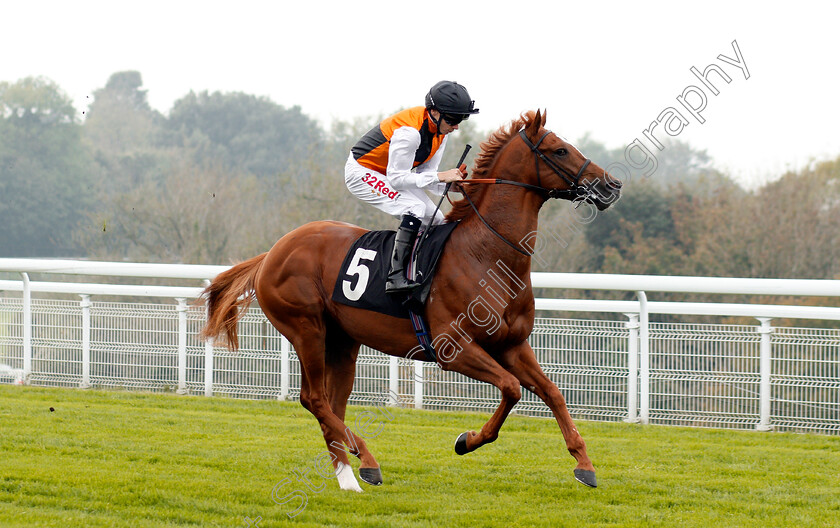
534 126
544 116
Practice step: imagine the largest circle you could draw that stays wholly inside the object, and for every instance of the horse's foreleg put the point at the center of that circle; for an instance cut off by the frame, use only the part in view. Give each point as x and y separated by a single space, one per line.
522 363
477 364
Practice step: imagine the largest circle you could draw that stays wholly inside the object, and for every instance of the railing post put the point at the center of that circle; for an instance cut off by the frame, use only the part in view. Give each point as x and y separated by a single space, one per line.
182 345
644 359
418 384
632 326
27 329
208 367
209 352
285 352
765 368
85 305
393 381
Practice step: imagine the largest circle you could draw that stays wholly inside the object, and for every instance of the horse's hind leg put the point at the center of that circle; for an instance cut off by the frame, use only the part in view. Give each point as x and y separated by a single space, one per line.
308 338
522 363
340 374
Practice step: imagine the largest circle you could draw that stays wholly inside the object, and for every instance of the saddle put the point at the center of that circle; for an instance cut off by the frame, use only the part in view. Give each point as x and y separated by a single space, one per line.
361 280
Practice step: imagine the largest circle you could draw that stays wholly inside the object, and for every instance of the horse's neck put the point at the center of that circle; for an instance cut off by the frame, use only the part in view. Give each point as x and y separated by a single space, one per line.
513 212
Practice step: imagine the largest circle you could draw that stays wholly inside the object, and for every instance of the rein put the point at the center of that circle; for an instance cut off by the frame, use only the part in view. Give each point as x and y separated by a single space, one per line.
574 192
505 240
567 194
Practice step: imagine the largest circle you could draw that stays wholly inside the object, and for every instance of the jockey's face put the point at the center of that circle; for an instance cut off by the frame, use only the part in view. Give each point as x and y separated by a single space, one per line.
445 127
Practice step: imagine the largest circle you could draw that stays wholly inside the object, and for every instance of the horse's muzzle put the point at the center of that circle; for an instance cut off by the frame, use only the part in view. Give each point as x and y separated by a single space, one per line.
604 194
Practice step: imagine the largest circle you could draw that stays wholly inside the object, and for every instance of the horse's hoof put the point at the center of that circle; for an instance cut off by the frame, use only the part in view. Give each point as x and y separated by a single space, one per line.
461 444
586 477
372 476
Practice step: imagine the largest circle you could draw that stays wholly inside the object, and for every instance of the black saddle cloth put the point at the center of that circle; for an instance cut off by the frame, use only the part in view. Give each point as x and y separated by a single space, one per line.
361 281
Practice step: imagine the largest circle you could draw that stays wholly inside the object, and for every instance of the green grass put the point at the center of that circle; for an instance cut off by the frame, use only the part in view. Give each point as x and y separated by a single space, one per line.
132 459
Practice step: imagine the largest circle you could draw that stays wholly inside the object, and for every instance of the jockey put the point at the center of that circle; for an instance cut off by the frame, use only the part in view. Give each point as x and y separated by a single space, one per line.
392 165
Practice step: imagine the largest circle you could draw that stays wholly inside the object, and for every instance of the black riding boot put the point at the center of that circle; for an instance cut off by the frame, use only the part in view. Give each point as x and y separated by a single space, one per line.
403 242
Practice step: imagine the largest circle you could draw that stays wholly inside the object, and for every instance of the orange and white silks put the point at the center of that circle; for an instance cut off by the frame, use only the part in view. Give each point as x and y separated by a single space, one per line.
393 165
372 149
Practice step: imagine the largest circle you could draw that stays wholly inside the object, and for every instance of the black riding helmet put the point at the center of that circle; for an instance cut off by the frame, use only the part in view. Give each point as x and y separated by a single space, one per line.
452 101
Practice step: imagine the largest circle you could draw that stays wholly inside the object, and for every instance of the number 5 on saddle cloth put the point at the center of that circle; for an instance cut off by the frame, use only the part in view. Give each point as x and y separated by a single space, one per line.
361 280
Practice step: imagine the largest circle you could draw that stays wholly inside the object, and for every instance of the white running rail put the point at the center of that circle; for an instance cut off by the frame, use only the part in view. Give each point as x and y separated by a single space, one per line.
635 369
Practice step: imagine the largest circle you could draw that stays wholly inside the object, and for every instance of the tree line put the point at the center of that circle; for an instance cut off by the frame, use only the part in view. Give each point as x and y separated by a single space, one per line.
224 175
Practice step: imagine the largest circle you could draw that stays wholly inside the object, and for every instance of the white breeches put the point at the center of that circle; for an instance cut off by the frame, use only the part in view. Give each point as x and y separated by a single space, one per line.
374 188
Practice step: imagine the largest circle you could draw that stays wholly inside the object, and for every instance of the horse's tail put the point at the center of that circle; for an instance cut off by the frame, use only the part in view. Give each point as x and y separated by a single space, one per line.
227 297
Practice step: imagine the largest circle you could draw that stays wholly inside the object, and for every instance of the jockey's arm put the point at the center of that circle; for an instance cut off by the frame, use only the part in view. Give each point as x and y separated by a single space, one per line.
444 177
404 144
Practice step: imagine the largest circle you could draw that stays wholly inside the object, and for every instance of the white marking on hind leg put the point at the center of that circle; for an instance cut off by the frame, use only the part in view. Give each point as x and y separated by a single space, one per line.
346 478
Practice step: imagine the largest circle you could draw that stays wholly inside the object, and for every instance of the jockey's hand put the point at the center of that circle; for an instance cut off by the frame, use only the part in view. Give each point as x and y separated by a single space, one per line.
452 175
463 169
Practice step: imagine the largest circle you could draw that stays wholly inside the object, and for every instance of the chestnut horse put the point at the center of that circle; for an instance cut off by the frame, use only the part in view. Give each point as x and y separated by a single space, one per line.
294 281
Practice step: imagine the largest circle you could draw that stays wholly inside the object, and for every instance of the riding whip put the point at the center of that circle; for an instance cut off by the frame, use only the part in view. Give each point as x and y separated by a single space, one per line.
467 148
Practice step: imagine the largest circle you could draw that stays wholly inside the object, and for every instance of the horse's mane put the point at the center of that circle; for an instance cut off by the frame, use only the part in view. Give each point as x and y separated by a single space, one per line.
484 161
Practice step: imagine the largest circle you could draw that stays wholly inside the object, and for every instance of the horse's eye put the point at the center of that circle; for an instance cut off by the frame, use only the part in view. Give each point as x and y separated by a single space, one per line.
561 152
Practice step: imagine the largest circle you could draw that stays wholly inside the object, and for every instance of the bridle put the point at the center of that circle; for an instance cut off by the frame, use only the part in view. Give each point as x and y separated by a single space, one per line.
575 189
575 192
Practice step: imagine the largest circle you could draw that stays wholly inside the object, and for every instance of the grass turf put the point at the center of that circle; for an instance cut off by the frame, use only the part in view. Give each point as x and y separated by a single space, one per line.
110 458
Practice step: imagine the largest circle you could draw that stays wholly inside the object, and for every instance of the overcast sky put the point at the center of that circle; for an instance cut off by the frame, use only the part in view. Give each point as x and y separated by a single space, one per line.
605 68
